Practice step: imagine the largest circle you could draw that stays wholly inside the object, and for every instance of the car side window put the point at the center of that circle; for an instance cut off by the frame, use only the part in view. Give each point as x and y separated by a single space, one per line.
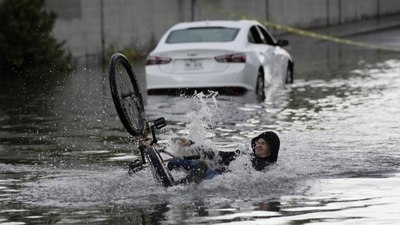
250 38
254 36
267 37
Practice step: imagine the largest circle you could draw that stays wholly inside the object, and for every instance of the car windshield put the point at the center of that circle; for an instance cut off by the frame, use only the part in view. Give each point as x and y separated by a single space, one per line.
202 34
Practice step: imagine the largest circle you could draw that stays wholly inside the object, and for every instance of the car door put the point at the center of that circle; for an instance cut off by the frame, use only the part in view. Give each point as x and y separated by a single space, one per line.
278 59
264 52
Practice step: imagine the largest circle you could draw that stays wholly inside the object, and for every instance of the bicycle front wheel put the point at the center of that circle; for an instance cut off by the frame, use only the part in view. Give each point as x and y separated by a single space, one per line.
126 94
158 167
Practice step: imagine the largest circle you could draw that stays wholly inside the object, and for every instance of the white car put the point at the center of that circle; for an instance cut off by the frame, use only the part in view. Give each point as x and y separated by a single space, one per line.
233 55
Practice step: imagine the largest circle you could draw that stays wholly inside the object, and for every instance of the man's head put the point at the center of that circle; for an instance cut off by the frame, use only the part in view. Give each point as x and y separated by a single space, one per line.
262 149
266 146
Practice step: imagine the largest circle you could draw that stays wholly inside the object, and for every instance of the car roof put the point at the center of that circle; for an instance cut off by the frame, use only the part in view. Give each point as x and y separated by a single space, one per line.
242 25
215 23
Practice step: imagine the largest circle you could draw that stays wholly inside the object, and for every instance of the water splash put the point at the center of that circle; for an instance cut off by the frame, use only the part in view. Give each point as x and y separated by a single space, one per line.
199 120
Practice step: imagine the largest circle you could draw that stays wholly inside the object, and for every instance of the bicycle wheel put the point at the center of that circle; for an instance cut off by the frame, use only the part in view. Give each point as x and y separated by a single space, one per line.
158 166
126 94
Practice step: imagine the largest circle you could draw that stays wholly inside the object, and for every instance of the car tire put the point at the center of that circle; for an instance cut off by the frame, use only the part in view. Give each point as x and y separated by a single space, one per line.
289 74
260 85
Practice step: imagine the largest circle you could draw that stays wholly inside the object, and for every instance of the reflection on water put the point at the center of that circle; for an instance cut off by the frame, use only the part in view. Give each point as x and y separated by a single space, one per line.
64 152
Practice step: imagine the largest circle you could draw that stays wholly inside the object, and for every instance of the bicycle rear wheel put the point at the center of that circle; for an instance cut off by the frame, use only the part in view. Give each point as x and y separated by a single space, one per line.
160 171
126 94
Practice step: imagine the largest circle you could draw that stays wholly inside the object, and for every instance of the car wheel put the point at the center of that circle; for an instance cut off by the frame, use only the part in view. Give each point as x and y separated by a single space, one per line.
260 84
289 74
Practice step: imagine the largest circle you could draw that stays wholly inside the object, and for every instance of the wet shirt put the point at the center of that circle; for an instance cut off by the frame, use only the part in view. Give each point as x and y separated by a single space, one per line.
220 160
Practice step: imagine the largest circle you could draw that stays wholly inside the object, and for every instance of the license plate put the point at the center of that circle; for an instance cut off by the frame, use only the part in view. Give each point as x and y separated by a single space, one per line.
193 64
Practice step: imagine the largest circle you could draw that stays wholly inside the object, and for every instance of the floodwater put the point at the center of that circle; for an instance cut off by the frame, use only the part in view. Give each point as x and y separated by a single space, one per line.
64 152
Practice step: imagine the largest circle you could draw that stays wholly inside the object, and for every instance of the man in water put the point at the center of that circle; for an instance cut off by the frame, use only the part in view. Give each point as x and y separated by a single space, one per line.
265 149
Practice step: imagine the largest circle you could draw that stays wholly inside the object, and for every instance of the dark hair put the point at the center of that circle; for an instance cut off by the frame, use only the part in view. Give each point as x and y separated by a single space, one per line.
273 141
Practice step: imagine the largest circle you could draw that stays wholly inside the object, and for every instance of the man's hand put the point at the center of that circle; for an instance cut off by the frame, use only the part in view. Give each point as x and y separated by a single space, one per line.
183 141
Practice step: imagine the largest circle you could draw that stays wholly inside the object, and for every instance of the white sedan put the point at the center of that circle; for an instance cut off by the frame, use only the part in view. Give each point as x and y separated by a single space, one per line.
226 55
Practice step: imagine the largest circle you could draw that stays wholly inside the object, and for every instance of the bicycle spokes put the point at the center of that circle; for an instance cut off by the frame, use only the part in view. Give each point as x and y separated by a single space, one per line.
126 95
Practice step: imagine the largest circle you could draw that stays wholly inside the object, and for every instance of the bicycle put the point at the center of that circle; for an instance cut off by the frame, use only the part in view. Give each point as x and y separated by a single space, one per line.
128 102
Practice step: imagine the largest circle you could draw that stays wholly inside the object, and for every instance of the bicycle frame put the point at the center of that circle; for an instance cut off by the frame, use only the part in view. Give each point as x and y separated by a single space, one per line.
150 156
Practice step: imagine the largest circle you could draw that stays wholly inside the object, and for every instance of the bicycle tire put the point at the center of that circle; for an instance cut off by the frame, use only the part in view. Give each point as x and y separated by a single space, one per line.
160 171
126 94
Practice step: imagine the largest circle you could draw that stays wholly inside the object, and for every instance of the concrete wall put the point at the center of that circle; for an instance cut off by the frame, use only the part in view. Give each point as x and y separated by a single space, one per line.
88 26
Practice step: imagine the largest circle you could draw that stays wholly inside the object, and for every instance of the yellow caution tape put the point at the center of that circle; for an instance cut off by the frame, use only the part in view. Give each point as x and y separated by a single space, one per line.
313 34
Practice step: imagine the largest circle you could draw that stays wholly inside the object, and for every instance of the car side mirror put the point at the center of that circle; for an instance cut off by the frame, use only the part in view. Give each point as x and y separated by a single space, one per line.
282 43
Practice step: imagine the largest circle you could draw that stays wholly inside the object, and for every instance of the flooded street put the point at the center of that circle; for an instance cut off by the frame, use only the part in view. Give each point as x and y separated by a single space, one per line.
64 153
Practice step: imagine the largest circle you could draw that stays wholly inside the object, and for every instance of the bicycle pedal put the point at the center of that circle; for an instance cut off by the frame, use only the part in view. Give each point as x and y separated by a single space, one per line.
135 167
